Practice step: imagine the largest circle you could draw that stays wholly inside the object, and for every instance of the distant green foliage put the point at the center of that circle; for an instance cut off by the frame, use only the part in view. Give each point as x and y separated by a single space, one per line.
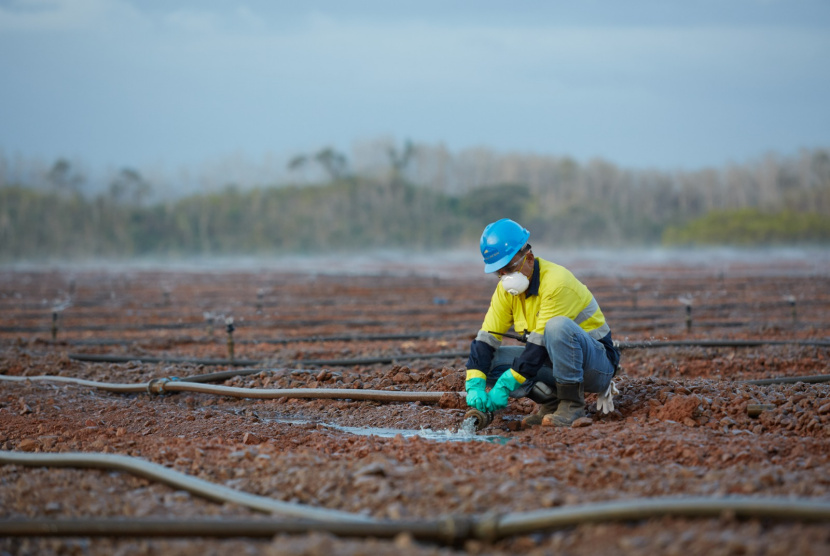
560 201
348 214
751 226
496 201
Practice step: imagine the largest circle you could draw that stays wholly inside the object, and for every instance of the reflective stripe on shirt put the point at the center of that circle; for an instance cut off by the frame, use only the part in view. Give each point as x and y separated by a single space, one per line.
587 312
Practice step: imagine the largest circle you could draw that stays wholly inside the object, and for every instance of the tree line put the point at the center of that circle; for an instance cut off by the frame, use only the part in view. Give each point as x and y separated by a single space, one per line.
421 197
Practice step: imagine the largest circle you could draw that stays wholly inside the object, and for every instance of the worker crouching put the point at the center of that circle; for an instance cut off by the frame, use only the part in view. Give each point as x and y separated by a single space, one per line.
568 350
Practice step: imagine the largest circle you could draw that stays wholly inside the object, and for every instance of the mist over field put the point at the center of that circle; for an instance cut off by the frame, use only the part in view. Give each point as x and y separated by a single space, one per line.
709 263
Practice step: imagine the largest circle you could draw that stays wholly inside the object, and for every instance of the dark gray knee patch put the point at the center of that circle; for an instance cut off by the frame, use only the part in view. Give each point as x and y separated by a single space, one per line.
542 393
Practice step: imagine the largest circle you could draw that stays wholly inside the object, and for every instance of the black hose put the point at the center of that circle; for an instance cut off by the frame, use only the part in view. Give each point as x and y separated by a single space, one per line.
222 375
274 341
813 379
225 375
720 343
451 530
96 358
365 337
384 359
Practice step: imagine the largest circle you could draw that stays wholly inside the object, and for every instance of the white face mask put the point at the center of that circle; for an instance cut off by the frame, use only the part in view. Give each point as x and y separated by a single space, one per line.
515 283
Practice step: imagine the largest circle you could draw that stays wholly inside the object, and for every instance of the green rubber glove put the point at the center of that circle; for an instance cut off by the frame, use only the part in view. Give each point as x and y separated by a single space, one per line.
476 395
507 382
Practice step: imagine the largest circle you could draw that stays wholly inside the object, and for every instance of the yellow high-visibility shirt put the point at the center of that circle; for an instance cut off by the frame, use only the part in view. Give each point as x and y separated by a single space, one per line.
553 292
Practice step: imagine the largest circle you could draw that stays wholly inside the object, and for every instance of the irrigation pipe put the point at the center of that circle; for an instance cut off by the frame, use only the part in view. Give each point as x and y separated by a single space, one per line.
450 532
645 508
194 485
721 343
280 341
224 375
166 385
123 388
364 337
197 384
98 358
447 529
95 358
385 337
109 358
307 393
813 379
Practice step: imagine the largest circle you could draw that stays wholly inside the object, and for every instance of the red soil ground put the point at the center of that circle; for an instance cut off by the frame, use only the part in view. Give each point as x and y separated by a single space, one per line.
681 425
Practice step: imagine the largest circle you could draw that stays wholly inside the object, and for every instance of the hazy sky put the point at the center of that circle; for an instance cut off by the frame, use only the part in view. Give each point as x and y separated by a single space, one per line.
641 83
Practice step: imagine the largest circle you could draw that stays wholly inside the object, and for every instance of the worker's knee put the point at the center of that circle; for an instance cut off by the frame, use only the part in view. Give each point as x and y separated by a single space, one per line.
559 329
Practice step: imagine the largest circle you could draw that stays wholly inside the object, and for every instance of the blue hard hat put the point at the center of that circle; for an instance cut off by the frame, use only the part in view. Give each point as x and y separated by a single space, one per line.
500 242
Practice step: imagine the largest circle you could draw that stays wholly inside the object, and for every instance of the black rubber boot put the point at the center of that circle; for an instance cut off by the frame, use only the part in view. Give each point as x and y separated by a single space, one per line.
545 397
571 404
544 409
